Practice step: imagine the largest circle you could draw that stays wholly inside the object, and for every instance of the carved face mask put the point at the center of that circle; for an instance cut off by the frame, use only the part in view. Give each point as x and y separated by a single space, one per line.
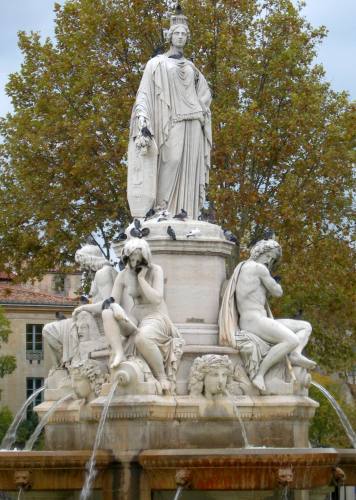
215 381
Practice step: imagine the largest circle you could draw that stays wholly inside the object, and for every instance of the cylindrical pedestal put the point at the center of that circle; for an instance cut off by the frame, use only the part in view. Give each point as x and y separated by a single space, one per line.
194 267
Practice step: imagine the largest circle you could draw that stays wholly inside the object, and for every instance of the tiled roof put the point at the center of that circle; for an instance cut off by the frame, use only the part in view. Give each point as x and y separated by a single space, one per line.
19 294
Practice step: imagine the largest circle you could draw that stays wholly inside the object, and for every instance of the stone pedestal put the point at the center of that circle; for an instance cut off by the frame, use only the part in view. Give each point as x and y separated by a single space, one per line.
142 422
194 269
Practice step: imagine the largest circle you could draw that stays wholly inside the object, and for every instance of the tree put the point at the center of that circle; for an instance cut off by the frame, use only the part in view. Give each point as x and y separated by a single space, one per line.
5 421
326 429
7 366
7 362
282 155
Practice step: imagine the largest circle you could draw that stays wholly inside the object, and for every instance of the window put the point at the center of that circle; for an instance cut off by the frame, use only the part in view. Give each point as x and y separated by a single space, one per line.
58 283
32 384
34 342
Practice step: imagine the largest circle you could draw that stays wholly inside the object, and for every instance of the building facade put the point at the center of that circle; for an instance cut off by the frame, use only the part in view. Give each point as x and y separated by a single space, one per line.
29 308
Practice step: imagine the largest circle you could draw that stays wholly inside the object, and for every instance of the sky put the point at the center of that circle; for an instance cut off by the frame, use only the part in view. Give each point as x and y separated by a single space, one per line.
337 53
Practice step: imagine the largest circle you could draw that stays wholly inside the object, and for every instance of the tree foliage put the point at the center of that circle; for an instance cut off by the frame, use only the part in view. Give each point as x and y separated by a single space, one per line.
326 429
7 362
282 155
5 421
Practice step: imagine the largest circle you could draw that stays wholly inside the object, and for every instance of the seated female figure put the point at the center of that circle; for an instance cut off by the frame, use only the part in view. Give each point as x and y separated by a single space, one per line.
155 337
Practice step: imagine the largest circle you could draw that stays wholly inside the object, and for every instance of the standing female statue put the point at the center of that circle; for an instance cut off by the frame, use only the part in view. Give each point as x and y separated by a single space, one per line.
170 132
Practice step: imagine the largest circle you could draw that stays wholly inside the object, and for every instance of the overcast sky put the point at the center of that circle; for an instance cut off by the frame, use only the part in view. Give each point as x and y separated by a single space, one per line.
337 54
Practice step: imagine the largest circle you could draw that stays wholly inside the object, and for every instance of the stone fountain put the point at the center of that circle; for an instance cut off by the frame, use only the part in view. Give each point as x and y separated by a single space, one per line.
208 392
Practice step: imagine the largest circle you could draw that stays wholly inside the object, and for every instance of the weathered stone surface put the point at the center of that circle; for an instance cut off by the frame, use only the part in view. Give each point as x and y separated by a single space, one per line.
217 469
153 422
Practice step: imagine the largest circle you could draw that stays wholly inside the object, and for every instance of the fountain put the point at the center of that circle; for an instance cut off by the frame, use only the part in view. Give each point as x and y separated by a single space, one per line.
163 384
35 435
90 467
10 435
340 413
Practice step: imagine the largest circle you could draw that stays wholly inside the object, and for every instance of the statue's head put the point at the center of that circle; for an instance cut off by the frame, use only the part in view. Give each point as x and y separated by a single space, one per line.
178 33
87 378
211 375
87 327
267 252
89 257
136 252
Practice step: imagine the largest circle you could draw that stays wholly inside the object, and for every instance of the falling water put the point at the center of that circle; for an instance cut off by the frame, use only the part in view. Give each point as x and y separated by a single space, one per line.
31 441
285 493
343 418
178 493
90 466
10 436
243 428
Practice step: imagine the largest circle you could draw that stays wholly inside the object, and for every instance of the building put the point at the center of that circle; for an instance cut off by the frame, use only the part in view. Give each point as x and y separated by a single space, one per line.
29 308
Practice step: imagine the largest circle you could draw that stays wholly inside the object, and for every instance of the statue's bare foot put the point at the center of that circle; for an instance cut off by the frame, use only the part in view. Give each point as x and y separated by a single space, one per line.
165 384
259 382
117 360
300 360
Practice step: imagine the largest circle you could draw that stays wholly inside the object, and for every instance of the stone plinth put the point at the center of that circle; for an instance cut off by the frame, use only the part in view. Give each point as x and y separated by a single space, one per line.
194 268
136 423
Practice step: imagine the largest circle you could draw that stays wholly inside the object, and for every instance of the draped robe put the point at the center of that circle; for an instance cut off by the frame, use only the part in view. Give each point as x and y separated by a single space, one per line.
174 98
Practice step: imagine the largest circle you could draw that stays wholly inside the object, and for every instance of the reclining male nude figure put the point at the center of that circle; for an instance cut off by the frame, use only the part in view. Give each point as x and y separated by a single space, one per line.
254 283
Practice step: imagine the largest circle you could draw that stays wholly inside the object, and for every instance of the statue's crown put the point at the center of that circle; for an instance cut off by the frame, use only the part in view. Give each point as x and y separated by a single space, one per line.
178 17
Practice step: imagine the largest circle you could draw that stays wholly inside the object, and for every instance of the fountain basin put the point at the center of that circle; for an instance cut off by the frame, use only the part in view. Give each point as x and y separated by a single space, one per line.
52 470
240 469
347 462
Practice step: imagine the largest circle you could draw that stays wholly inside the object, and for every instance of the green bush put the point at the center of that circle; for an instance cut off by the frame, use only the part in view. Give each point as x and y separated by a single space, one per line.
326 429
5 421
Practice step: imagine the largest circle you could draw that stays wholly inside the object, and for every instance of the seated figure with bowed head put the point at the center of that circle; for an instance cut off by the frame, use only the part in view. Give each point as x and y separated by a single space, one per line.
246 322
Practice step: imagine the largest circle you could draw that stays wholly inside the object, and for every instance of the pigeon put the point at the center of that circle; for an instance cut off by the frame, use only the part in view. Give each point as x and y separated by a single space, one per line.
150 214
60 316
146 133
136 230
107 302
171 233
298 314
121 237
136 233
230 236
193 233
268 234
84 299
183 214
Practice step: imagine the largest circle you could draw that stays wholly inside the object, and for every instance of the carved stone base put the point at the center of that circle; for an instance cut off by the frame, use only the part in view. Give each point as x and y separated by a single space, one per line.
142 422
